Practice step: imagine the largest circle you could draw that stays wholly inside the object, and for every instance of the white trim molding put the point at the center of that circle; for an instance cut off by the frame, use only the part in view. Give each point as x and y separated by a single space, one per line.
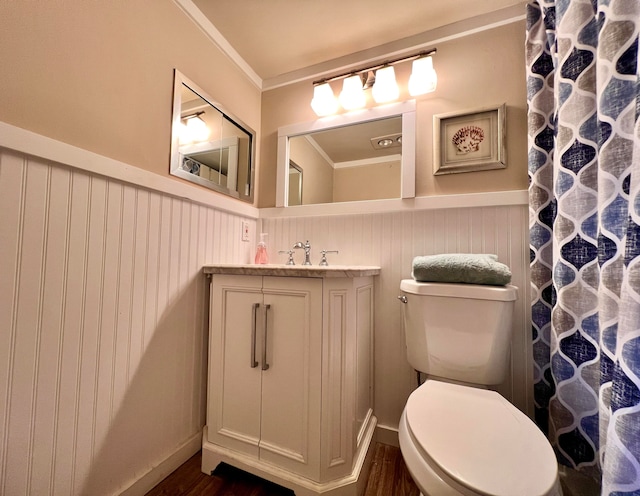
200 20
28 142
466 200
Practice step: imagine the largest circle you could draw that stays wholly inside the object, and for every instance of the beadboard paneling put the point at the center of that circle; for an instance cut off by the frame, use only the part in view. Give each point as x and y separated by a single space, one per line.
103 314
391 240
103 325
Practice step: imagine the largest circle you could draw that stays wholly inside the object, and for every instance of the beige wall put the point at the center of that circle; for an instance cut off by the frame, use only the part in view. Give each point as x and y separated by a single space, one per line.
367 182
317 173
478 70
99 75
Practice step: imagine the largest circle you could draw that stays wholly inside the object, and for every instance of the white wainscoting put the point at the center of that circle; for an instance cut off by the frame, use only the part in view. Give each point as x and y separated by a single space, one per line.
391 240
103 310
103 325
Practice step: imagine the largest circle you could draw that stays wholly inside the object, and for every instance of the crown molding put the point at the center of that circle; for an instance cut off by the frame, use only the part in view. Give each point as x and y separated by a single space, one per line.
402 47
399 48
200 20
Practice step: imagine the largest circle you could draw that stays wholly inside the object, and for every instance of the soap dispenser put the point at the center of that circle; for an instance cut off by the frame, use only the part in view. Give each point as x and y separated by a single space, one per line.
261 251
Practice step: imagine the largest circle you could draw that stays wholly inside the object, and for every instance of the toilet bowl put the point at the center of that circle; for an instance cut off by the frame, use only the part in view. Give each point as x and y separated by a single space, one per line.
459 440
457 436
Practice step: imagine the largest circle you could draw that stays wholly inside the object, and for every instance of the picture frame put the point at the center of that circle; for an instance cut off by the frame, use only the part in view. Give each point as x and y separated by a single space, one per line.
469 141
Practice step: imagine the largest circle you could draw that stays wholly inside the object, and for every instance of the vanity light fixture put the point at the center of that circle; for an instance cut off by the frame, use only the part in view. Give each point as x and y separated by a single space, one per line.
324 101
380 78
369 80
385 88
352 94
423 77
193 128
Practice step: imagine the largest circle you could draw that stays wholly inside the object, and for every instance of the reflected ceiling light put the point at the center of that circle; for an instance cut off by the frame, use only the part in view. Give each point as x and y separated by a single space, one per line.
423 77
193 128
352 94
380 78
324 102
385 88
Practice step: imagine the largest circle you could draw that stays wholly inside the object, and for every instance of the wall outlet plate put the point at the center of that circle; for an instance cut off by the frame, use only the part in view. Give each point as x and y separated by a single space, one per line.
245 230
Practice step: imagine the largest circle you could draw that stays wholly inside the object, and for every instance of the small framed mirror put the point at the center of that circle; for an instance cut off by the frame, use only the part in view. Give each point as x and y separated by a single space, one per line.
209 146
359 156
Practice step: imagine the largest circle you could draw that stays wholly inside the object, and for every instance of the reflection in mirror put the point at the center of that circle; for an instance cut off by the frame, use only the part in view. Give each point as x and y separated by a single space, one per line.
365 156
338 162
208 145
295 184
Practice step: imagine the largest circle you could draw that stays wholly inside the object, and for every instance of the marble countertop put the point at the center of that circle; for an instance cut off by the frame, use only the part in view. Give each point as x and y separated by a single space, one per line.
292 270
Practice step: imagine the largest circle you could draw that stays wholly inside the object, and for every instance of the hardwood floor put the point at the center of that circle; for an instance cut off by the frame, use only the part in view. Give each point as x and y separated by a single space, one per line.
388 477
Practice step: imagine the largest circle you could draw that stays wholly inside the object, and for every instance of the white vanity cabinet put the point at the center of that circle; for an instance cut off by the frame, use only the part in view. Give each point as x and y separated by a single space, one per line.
290 387
264 381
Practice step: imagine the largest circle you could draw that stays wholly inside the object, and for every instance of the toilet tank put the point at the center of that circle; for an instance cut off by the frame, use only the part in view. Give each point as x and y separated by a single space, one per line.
460 332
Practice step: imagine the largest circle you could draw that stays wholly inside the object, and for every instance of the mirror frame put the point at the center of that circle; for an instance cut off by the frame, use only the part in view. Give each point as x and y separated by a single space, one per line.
175 159
407 110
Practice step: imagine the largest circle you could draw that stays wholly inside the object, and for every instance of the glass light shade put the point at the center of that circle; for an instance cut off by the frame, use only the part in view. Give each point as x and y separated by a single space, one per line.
352 94
423 77
385 88
184 136
197 129
324 102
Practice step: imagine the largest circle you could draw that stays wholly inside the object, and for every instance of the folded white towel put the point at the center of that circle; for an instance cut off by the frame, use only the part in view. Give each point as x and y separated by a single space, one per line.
466 268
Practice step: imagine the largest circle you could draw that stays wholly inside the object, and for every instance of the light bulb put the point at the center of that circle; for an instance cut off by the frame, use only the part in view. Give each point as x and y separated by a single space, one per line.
324 102
423 77
352 94
385 88
184 136
198 130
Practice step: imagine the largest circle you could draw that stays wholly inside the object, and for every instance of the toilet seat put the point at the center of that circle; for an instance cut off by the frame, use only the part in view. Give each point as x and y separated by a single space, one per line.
480 441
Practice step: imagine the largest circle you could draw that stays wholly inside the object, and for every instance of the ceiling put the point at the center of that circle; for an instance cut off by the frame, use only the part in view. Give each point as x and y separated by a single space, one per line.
282 38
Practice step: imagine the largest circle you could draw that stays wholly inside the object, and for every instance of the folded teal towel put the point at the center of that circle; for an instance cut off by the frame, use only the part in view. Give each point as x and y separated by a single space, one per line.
461 268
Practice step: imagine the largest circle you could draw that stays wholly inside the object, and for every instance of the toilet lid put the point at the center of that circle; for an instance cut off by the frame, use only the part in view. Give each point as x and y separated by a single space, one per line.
480 440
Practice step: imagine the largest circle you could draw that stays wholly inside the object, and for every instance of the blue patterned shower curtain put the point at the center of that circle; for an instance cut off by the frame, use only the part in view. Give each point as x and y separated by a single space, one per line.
584 196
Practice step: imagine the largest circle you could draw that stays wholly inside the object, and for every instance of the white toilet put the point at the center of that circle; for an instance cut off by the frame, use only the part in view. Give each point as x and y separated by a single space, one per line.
456 436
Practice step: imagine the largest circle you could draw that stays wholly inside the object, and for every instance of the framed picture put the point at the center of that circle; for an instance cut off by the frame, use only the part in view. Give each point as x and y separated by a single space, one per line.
469 141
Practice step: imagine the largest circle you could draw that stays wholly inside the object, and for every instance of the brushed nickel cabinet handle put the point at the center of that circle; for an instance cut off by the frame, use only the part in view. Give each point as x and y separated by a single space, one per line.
265 365
254 362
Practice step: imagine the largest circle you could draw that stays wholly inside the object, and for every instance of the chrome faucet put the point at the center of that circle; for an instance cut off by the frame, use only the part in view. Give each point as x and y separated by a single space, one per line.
307 251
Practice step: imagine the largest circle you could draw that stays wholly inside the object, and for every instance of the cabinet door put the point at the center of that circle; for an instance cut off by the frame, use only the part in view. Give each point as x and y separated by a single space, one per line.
233 410
291 387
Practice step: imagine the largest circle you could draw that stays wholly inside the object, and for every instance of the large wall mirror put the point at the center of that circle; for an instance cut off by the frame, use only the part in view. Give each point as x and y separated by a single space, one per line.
209 146
367 155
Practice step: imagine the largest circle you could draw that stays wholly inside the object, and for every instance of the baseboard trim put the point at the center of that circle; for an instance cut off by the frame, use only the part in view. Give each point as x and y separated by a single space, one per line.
387 435
156 474
353 484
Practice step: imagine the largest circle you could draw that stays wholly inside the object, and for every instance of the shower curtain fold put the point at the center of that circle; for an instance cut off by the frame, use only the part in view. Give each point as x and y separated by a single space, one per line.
583 95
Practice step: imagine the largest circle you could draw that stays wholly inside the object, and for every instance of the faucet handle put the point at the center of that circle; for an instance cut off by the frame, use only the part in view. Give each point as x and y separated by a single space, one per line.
323 261
290 253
